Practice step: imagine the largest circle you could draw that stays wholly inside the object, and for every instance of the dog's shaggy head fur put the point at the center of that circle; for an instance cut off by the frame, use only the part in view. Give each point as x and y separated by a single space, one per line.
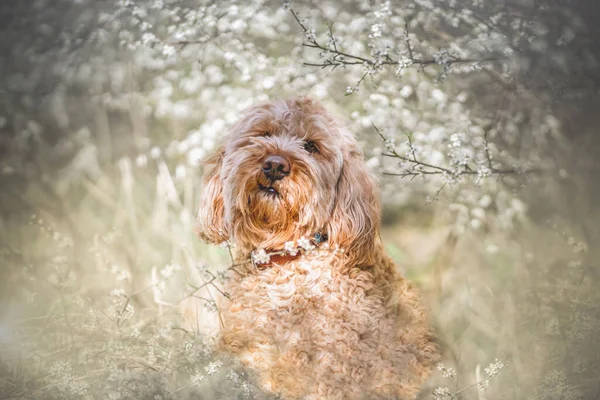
329 325
328 189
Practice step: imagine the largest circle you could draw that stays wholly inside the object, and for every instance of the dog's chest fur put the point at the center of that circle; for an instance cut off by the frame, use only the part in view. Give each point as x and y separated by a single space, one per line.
305 324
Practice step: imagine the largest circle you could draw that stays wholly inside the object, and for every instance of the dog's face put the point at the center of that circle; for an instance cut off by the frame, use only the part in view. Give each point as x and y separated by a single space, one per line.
287 170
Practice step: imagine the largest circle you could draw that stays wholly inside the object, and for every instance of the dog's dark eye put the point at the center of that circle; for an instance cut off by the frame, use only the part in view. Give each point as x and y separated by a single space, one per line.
311 147
266 134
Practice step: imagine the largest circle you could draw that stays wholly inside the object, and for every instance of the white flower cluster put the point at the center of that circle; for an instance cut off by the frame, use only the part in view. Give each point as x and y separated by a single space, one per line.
197 379
310 35
290 248
351 89
494 368
446 372
213 367
403 63
169 270
390 145
305 244
444 393
261 256
441 393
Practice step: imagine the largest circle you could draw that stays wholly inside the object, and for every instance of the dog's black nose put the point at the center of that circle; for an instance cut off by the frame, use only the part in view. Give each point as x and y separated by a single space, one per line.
276 167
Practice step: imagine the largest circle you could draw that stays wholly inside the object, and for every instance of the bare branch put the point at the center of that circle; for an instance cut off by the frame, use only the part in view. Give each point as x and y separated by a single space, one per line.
439 170
339 57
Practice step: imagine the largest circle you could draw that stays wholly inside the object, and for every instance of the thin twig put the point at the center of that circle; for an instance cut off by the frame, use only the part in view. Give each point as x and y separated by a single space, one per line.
196 289
454 396
486 145
437 194
406 32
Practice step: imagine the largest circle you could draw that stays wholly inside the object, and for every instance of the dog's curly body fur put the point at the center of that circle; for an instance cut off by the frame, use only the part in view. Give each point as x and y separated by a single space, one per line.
328 325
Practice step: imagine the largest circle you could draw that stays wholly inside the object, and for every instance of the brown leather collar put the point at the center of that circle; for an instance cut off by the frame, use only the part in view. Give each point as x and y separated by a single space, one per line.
282 259
278 259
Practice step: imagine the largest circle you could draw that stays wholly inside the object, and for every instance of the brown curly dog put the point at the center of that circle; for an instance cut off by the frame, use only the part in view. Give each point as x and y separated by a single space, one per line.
325 315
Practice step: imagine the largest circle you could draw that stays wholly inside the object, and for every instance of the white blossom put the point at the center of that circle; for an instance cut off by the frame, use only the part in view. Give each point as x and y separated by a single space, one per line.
305 244
213 367
197 379
261 256
441 393
494 368
291 248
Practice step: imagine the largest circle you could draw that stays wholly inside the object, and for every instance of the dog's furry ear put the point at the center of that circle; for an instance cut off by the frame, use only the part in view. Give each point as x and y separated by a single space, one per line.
210 223
354 225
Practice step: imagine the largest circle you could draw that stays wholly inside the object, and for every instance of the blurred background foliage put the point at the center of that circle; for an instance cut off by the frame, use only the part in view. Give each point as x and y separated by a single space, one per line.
479 118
